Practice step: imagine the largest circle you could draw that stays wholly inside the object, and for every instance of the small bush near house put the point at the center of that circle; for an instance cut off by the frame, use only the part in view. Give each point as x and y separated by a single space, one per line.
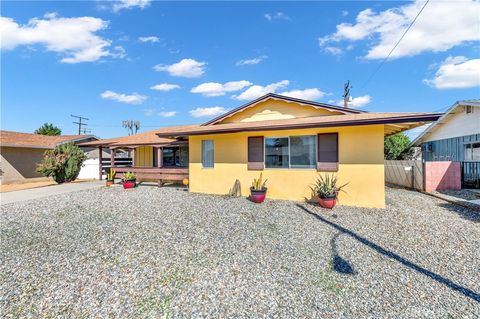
62 163
395 145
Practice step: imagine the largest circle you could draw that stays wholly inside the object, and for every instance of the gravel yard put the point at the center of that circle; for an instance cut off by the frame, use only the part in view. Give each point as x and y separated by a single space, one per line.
167 253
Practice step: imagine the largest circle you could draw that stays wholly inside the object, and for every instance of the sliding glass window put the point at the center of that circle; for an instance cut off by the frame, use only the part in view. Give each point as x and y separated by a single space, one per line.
276 152
303 151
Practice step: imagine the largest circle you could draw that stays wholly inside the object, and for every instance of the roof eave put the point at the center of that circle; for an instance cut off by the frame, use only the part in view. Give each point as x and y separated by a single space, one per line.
393 120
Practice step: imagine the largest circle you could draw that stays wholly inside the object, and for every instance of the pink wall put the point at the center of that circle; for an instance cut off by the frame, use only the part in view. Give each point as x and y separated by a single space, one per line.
442 175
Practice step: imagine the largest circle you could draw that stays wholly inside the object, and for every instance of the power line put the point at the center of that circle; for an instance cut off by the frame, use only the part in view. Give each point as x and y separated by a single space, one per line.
81 125
395 46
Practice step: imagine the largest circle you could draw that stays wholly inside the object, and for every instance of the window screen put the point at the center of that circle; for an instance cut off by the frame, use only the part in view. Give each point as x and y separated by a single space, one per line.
207 153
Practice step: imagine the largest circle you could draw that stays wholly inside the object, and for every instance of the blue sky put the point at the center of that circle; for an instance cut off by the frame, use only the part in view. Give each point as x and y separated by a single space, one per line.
172 63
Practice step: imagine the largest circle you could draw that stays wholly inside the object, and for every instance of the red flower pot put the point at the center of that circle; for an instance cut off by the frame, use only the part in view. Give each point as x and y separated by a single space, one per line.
129 184
258 196
327 202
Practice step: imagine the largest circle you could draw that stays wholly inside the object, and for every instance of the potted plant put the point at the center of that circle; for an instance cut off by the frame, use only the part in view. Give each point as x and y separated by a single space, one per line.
258 191
129 180
326 190
110 177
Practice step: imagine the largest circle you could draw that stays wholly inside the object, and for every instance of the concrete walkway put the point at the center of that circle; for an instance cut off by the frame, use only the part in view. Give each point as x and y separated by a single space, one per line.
27 194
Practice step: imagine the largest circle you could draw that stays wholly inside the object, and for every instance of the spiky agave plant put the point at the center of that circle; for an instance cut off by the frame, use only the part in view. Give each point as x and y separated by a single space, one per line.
257 183
326 187
111 175
128 176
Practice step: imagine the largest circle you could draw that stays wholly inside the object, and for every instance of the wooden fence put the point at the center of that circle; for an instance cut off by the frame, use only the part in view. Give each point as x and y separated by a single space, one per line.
408 173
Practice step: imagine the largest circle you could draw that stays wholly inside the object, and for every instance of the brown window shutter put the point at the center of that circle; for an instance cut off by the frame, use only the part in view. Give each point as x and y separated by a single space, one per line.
327 158
255 153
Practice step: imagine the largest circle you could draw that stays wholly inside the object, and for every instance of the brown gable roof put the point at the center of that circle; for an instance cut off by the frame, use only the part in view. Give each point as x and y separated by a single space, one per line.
144 138
18 139
409 119
265 97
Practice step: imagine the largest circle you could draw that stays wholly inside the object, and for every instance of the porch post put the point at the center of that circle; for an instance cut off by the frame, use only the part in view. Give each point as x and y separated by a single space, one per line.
100 168
159 157
132 153
113 151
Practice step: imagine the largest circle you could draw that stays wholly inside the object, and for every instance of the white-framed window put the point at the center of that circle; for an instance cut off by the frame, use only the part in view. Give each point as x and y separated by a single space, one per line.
291 152
472 151
207 154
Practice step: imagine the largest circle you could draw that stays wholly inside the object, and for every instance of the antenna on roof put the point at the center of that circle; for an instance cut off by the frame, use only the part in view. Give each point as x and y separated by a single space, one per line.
346 93
131 126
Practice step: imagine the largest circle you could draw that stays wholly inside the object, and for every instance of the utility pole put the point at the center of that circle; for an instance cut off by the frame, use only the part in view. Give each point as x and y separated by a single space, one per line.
80 123
346 93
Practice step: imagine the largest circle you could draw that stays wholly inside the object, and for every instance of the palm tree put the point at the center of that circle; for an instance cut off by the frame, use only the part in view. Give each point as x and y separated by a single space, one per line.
48 129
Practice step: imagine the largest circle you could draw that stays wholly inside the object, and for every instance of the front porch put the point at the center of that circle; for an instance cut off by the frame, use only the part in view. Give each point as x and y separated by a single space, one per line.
161 163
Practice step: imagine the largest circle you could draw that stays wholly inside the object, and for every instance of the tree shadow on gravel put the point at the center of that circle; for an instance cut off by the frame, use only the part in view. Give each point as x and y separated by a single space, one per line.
390 254
463 212
339 264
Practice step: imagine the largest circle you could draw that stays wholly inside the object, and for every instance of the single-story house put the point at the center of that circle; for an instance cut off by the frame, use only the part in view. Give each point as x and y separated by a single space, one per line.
289 140
21 152
455 137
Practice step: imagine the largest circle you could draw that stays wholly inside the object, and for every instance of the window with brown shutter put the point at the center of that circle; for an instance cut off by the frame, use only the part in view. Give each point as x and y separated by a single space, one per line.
255 153
327 152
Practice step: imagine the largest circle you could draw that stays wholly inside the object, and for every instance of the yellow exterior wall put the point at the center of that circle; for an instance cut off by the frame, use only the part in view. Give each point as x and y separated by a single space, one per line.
360 164
144 156
274 110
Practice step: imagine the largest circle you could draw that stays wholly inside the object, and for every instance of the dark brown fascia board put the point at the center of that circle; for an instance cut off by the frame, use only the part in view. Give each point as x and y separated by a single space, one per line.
44 147
425 118
283 97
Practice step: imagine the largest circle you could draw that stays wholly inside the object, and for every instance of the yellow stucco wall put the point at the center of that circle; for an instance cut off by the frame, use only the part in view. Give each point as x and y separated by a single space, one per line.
360 164
274 110
144 156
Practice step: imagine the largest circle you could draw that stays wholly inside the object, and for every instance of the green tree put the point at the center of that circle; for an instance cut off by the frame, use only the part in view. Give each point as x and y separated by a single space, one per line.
48 129
62 163
395 145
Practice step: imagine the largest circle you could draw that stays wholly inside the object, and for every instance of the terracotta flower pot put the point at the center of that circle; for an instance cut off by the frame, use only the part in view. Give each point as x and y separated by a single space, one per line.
129 184
109 183
258 196
327 202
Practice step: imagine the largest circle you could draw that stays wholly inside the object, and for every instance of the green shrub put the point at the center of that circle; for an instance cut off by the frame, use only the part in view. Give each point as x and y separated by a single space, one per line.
62 163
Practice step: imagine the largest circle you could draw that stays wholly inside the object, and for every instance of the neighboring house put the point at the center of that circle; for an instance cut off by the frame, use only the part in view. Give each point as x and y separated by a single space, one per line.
20 153
455 137
289 140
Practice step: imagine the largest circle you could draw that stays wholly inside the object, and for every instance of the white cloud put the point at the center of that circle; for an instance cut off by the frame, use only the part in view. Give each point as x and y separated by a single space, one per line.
152 39
167 113
148 112
118 52
443 25
130 4
188 68
253 61
276 16
456 73
165 87
207 111
333 50
219 89
256 91
306 94
355 103
73 38
345 13
134 98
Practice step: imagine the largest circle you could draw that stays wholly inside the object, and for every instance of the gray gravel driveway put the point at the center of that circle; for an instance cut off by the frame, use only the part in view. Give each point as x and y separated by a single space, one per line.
167 253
